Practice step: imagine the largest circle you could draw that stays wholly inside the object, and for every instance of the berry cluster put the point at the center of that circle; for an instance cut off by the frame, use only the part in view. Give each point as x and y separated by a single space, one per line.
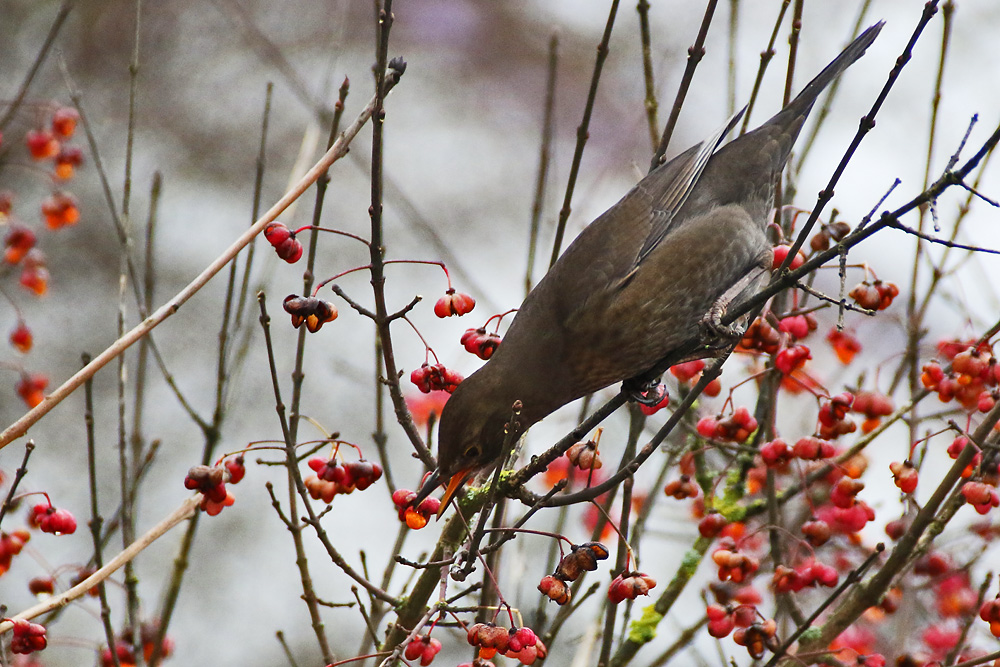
629 586
581 558
811 573
760 337
42 586
211 481
734 565
845 344
757 637
48 519
333 478
10 546
480 343
798 326
792 358
712 524
31 388
738 610
973 376
990 612
309 310
816 531
283 240
430 378
584 455
681 488
414 516
17 242
904 475
833 421
722 619
454 303
982 496
422 648
27 637
873 406
735 428
875 295
521 644
829 234
60 209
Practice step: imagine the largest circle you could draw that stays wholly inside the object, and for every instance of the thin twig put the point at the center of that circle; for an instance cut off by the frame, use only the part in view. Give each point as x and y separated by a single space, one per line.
695 54
649 103
544 157
765 57
19 474
96 520
583 132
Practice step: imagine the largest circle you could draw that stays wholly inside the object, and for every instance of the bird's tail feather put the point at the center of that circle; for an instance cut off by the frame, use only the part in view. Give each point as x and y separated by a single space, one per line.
804 100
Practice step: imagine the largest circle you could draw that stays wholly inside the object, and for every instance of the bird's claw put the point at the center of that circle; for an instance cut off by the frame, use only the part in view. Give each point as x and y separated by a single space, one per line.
713 328
645 392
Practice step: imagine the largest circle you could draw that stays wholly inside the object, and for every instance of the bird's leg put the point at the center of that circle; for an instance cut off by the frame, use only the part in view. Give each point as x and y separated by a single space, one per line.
711 323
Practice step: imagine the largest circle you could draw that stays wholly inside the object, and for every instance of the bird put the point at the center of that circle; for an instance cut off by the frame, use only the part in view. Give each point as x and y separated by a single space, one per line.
644 282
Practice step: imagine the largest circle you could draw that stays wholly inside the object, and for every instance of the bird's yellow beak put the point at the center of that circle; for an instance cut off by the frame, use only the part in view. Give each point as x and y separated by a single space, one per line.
454 484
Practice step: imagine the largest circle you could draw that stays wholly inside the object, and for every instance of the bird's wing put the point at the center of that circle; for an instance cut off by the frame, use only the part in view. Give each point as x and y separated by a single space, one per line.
681 183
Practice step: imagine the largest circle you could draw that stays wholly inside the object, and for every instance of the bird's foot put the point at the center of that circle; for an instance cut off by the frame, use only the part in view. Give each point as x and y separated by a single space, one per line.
711 325
644 392
713 329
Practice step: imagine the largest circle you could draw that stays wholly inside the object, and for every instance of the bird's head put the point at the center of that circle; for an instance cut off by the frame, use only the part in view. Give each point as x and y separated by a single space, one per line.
470 438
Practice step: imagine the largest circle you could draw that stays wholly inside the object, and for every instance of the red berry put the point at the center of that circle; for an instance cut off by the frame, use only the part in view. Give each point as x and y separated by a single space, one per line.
21 338
237 469
18 241
712 524
311 311
792 358
555 589
454 303
817 532
64 121
284 242
629 586
403 497
845 345
796 326
60 209
68 159
27 637
781 252
31 388
687 371
42 144
706 427
276 233
42 586
775 453
904 475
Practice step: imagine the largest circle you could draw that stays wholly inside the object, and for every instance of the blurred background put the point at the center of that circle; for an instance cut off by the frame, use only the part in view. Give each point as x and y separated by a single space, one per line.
462 139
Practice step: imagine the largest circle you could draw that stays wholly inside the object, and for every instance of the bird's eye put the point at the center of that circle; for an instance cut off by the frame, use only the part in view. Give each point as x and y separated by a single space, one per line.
472 452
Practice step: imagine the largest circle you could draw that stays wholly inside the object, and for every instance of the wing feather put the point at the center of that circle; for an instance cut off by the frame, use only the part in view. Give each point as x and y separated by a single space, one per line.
680 186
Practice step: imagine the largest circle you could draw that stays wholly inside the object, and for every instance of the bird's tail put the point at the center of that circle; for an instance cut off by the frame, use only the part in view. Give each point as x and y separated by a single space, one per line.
801 105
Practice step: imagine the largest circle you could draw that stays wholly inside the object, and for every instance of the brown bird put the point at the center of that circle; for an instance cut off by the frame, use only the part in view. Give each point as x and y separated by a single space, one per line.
646 280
